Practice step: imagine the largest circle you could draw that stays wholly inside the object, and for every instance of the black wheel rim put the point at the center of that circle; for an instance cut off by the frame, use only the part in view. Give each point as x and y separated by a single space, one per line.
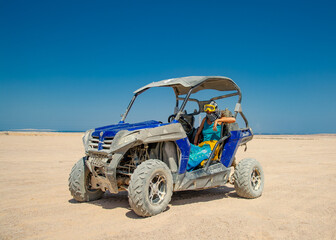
255 179
157 189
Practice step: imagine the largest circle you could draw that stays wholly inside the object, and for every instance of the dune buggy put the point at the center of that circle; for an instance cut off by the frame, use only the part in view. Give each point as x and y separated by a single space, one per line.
149 159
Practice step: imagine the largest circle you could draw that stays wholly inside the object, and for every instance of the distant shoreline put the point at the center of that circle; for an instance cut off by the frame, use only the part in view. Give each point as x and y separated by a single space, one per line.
43 131
58 133
38 130
32 133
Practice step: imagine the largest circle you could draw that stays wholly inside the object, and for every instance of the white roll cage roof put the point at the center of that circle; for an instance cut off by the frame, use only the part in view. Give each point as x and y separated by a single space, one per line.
192 84
182 85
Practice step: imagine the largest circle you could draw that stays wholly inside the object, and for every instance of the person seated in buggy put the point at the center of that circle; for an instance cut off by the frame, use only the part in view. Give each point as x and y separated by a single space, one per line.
211 130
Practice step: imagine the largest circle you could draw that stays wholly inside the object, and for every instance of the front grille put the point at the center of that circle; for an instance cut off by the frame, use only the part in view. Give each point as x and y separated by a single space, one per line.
96 145
107 142
93 142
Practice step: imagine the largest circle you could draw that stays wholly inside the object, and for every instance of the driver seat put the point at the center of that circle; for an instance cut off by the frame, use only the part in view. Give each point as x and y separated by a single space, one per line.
188 117
191 120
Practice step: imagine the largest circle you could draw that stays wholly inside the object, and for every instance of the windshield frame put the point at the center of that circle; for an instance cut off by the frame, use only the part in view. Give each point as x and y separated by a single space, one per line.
186 99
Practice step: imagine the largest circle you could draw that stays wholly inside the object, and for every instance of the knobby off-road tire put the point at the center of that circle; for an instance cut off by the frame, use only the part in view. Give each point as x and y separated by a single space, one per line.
249 178
150 188
79 183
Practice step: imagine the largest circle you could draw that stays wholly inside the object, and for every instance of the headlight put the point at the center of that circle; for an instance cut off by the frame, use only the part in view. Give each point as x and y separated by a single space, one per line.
86 136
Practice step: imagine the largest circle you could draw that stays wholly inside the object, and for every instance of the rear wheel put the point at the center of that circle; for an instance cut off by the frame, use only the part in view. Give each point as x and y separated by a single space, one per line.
79 183
249 178
150 188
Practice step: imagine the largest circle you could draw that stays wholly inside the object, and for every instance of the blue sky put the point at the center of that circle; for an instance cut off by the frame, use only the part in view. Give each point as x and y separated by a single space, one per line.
73 65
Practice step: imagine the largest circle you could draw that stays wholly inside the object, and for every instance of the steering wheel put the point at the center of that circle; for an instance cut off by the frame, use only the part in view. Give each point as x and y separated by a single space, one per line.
187 127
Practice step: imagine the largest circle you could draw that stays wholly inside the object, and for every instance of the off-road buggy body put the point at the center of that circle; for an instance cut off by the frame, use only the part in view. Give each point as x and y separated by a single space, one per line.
149 159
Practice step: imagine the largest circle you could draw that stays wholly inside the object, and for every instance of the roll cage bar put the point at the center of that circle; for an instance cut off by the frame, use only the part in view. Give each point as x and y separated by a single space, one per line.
237 109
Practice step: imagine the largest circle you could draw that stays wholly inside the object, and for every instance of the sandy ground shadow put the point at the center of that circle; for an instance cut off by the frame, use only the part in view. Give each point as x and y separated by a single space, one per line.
112 201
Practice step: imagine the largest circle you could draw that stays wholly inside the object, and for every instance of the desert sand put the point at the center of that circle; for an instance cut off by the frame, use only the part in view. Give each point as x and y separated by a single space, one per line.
298 202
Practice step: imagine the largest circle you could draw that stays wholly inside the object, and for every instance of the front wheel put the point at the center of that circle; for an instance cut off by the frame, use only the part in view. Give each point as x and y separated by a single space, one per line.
79 183
249 178
150 188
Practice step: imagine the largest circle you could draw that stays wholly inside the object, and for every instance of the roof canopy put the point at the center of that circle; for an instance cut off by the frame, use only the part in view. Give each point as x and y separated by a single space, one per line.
182 85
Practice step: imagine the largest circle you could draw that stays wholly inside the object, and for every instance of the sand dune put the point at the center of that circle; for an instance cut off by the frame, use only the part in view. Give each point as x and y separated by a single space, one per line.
299 199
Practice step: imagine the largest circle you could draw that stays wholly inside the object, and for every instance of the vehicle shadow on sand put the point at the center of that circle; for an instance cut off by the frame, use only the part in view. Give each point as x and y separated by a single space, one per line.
194 196
120 200
108 201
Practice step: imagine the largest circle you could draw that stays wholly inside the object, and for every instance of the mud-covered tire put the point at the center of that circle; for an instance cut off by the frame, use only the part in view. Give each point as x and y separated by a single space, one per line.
78 183
150 188
249 178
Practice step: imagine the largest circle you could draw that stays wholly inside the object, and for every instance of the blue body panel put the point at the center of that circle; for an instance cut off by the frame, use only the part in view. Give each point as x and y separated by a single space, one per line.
229 151
112 130
232 144
184 146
